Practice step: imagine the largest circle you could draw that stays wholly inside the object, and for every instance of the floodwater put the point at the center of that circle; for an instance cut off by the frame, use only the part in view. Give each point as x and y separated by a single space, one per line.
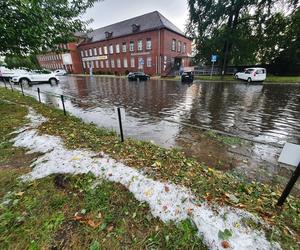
168 112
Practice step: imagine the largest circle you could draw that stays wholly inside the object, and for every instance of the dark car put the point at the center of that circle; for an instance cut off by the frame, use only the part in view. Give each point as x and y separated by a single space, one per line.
138 76
187 77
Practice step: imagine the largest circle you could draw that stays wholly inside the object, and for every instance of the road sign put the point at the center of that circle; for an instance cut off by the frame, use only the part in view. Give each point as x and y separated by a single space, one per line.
290 155
213 58
142 61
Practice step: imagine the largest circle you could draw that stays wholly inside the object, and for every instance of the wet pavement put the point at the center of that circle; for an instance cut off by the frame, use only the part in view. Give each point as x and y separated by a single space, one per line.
169 113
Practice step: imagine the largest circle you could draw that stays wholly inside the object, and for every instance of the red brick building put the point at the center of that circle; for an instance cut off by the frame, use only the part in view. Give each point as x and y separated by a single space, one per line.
150 43
69 59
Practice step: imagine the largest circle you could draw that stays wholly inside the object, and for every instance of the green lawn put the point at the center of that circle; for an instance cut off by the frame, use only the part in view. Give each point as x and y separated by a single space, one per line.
270 79
41 214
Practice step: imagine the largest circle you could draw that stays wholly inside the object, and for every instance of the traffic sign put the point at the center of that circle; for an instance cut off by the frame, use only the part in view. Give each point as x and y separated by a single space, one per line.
142 61
213 58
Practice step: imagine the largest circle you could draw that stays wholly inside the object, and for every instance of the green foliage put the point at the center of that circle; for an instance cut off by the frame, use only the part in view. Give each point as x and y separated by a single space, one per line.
225 235
17 61
237 35
32 25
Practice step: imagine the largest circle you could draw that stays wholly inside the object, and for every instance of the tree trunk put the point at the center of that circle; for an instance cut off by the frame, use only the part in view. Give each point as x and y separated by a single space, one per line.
231 27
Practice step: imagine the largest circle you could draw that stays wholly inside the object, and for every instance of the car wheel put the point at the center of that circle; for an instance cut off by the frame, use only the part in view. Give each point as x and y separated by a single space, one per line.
53 81
25 82
236 77
249 79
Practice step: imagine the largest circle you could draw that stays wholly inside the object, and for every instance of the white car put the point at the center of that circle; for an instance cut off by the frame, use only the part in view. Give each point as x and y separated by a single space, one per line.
30 78
252 75
7 74
60 72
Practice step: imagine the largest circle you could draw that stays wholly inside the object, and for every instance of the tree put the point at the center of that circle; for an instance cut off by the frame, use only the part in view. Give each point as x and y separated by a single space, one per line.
29 62
29 26
231 26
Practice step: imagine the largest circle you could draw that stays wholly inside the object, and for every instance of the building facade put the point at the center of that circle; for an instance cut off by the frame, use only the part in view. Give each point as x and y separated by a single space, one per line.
69 59
148 43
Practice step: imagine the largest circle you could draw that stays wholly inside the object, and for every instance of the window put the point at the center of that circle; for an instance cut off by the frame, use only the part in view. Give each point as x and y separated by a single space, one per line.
179 46
97 64
105 50
140 45
100 51
86 53
149 62
184 48
112 63
111 49
125 63
118 63
132 62
91 52
149 44
131 47
101 64
107 64
124 47
174 45
95 51
117 48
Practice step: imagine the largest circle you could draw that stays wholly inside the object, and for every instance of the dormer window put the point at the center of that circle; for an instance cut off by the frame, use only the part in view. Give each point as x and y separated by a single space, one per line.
135 27
108 34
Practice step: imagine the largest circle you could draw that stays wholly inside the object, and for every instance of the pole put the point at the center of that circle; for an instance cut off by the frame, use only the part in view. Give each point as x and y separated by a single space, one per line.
63 104
39 94
22 89
12 89
289 186
120 124
4 83
212 69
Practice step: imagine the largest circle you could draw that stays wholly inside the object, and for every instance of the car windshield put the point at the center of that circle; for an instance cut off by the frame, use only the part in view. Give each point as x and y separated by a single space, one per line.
249 70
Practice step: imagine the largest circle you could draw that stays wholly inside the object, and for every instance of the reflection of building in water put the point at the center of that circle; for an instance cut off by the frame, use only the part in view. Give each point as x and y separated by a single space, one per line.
155 98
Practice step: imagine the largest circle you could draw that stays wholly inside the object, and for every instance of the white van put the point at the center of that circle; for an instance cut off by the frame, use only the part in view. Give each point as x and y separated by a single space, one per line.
252 75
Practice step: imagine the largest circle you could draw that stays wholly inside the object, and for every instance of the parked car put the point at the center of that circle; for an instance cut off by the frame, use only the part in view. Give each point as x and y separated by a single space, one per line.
187 76
7 74
30 78
252 75
133 76
60 72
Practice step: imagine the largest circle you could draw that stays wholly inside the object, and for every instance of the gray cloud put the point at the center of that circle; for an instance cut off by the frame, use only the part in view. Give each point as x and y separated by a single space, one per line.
112 11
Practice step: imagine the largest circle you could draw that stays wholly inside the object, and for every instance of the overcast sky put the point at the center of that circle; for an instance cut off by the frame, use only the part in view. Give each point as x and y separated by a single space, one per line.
111 11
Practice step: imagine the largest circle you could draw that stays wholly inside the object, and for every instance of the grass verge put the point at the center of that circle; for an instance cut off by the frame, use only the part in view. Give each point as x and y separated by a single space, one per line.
171 165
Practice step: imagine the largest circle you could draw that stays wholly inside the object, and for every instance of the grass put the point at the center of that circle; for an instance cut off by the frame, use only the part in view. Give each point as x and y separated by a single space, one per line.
270 79
171 165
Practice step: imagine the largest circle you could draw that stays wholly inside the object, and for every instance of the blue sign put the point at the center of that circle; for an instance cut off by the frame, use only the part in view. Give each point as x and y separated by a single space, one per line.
142 61
213 58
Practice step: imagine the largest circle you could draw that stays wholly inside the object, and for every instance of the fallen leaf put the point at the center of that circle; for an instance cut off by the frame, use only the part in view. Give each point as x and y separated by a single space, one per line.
190 211
110 228
92 224
165 208
167 189
148 193
225 244
19 193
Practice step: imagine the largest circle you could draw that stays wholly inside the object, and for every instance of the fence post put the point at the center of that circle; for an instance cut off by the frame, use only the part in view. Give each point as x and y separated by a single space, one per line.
12 89
120 124
39 94
4 83
289 186
63 104
22 89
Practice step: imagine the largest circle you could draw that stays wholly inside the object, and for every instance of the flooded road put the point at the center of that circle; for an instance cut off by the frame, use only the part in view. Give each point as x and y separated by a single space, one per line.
167 111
